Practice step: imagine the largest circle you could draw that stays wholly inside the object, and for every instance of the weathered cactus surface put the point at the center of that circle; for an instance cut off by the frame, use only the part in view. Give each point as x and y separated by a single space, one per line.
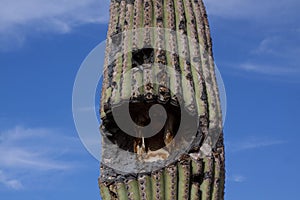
187 49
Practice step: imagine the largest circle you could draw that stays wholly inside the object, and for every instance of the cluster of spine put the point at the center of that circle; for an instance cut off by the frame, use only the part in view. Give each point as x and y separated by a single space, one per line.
192 176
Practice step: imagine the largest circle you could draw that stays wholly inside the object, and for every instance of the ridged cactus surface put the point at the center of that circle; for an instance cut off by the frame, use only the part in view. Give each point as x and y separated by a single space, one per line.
193 175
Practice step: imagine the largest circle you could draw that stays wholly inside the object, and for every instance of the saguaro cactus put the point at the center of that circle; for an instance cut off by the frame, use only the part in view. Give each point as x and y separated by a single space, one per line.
180 40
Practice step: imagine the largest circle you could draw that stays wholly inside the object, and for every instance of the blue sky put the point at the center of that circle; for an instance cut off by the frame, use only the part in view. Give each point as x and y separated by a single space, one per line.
43 43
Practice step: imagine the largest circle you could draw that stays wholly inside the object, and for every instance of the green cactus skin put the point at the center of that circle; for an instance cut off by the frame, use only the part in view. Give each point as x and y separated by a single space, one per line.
105 193
192 176
121 191
133 189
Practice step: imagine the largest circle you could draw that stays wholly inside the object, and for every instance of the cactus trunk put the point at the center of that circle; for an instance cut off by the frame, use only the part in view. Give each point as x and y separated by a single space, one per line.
192 176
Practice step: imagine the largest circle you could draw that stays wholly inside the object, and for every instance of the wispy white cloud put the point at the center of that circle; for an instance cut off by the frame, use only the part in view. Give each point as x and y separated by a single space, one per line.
269 70
18 18
59 14
10 183
282 46
252 9
237 178
267 45
272 25
276 56
253 143
34 151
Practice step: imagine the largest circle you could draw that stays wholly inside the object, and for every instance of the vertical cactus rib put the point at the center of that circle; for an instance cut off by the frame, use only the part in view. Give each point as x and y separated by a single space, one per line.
158 190
197 68
200 24
171 186
171 44
195 192
184 172
206 186
197 171
145 187
106 92
148 87
132 188
209 73
185 65
219 180
206 27
195 57
115 49
105 193
137 74
117 40
127 45
216 191
160 53
147 48
121 191
148 22
138 23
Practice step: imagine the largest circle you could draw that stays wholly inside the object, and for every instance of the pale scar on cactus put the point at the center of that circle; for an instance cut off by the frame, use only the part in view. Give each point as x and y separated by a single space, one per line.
193 175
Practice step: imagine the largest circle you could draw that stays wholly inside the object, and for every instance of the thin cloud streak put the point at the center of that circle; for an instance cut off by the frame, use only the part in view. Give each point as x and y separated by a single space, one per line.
274 56
279 46
239 178
19 19
252 144
10 183
258 10
236 178
268 44
35 151
55 13
269 70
